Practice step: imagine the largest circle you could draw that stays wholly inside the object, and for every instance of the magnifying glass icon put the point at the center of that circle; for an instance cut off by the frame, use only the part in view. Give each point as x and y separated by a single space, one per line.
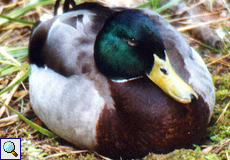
9 147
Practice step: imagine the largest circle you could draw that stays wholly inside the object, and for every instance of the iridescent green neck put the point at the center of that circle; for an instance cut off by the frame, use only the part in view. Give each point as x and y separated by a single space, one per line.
125 46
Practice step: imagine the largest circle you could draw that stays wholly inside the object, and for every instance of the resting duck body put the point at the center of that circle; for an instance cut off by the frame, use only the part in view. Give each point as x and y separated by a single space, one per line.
119 81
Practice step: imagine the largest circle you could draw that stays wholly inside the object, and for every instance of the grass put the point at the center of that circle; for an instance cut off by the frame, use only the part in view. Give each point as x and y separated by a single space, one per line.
16 20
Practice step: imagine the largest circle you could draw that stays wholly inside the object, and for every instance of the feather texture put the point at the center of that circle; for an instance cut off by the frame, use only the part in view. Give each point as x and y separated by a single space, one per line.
129 118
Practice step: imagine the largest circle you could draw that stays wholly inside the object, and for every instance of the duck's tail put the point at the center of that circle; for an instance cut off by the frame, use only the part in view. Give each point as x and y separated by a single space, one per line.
70 5
66 6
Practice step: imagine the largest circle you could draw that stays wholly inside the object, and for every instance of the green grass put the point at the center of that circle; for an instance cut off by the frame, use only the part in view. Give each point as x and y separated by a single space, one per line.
35 126
14 14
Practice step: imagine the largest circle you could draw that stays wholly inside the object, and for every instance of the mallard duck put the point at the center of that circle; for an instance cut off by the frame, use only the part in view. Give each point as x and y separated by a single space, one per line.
119 81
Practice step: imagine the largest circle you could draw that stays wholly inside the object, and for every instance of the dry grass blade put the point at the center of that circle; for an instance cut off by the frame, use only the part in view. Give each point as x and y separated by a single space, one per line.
24 74
208 149
190 27
13 118
5 35
221 61
103 157
222 146
218 59
57 155
194 16
10 95
7 55
227 6
8 124
223 113
216 148
23 95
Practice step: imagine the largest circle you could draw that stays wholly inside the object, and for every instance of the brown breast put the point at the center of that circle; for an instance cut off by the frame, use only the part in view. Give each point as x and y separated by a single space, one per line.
147 120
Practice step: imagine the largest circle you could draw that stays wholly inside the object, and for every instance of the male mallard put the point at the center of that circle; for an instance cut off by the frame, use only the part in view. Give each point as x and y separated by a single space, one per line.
119 81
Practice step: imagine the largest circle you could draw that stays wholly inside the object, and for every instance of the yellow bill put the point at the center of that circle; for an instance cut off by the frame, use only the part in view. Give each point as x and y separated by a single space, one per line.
163 75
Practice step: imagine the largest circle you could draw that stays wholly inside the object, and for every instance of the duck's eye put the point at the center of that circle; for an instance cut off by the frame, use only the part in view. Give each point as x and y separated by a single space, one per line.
132 42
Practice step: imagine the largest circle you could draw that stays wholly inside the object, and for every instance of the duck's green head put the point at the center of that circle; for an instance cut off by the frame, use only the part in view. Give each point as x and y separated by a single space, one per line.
129 46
